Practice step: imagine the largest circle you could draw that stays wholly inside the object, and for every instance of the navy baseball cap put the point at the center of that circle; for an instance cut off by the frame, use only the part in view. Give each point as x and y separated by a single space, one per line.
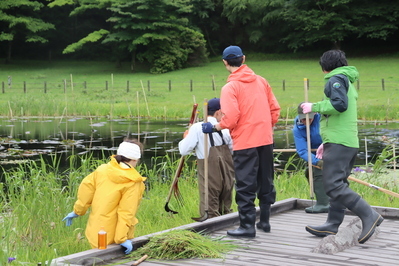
214 104
232 52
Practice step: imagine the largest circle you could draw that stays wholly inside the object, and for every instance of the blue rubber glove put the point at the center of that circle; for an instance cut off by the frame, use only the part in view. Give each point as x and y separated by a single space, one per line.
69 218
128 245
207 127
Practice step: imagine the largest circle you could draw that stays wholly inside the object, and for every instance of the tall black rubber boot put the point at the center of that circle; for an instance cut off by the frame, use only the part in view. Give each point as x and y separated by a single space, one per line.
330 227
370 219
247 226
263 223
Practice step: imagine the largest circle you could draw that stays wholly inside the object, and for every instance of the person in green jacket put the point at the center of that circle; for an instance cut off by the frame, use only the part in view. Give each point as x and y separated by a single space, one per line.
338 128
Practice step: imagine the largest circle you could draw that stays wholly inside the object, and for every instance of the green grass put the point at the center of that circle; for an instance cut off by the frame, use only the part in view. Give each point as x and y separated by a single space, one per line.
34 198
374 102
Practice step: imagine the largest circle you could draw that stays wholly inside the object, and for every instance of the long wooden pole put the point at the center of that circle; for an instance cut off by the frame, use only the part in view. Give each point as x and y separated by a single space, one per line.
394 155
305 80
174 186
365 148
145 98
138 116
386 191
374 186
206 155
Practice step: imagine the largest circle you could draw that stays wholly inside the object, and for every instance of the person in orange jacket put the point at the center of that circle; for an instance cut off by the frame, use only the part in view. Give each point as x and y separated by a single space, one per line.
250 111
113 191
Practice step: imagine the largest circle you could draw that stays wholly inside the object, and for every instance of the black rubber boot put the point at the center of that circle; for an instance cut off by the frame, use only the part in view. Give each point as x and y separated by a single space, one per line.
263 223
247 226
370 219
330 227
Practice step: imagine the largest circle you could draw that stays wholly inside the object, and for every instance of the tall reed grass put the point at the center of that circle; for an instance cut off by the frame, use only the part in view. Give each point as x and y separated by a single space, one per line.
36 196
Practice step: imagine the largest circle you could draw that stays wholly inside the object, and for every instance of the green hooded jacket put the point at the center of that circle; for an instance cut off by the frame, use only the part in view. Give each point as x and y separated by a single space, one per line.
339 108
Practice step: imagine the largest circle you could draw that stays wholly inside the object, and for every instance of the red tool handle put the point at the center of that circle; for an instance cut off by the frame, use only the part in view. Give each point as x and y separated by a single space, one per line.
193 114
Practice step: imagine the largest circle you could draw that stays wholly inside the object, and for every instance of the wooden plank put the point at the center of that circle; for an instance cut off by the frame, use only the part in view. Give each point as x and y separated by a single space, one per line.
288 243
300 245
287 257
305 253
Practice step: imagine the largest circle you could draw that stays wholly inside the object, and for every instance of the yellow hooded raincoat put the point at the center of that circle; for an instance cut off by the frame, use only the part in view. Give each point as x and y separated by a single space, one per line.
114 194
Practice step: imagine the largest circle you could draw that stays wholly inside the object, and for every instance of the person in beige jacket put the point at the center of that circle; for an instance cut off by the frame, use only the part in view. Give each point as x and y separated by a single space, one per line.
113 191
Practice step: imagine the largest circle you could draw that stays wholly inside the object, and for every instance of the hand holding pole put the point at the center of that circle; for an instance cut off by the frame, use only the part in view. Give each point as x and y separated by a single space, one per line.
308 142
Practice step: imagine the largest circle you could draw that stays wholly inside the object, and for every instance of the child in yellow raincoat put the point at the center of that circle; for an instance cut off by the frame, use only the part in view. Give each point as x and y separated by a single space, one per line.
113 191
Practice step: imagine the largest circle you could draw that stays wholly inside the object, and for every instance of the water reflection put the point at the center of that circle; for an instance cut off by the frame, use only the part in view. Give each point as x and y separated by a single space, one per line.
27 139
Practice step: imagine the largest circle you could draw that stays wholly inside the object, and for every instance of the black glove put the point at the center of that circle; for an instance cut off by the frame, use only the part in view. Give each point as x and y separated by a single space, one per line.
320 164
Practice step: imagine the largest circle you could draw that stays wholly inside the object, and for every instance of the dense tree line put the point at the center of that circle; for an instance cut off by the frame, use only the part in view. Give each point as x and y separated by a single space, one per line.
172 34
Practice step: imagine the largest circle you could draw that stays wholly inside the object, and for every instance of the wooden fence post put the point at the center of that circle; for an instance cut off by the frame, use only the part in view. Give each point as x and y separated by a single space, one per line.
383 84
127 86
45 87
170 85
2 86
358 84
106 85
283 84
64 85
148 85
213 82
24 86
9 82
308 80
84 84
191 85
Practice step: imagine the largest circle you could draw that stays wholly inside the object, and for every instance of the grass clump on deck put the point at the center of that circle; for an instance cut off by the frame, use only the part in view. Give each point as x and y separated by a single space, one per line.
184 244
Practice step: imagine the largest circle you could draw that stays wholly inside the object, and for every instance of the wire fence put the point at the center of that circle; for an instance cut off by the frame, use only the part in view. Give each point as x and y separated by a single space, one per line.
169 85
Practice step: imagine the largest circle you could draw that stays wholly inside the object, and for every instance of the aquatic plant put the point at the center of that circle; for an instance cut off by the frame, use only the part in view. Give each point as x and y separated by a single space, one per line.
382 172
184 244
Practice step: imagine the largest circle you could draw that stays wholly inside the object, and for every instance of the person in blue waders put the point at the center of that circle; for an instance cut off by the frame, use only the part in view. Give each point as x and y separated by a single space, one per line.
301 145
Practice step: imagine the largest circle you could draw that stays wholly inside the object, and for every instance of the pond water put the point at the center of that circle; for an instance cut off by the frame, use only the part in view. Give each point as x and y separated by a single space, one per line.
29 138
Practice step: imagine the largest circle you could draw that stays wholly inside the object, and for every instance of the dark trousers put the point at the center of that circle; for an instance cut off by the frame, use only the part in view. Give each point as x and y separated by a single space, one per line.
254 171
338 163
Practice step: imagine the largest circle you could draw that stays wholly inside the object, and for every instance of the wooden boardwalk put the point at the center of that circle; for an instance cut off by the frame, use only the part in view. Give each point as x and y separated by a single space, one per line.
288 243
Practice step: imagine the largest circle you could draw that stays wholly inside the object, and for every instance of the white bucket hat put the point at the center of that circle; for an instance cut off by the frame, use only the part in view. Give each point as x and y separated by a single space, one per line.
129 150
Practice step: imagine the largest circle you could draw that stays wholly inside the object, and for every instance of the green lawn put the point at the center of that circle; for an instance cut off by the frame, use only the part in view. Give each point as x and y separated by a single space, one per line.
102 89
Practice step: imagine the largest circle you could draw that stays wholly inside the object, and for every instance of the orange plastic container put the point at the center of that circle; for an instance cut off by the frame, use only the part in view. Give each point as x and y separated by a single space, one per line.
102 238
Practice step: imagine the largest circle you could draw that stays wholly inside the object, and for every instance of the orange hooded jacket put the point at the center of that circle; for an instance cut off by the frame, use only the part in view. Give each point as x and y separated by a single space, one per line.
250 109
